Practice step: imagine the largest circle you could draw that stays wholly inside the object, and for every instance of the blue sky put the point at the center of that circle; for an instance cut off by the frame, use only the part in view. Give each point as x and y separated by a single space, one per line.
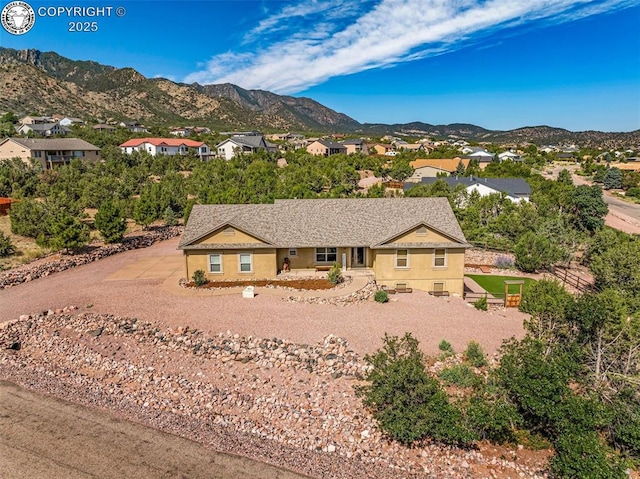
499 64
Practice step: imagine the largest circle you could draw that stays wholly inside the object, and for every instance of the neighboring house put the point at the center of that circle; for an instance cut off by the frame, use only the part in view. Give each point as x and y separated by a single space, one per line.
43 129
166 146
48 152
34 120
355 146
104 127
430 168
66 121
326 148
509 155
411 147
184 131
243 144
405 242
483 156
382 149
134 127
516 189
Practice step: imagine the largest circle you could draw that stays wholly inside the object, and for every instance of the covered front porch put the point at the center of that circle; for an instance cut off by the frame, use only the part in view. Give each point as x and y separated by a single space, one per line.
312 261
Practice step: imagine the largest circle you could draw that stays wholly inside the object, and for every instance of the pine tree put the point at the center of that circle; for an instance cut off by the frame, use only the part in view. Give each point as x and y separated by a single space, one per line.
110 222
68 232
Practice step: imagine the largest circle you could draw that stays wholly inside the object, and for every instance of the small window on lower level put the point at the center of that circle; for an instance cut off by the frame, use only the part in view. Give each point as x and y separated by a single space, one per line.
215 263
245 261
438 287
293 252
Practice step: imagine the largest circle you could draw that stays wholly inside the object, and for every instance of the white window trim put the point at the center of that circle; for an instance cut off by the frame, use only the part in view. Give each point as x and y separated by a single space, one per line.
326 254
221 263
445 258
240 254
395 259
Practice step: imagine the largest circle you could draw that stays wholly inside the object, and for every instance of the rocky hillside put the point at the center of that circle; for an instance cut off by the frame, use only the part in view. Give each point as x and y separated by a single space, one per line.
45 83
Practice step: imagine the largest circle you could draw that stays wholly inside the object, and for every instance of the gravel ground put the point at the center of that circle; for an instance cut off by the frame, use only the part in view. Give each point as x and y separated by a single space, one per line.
159 299
290 405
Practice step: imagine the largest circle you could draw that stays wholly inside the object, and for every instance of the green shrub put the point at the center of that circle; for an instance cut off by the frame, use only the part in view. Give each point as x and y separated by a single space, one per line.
381 296
446 348
408 404
581 455
480 303
475 355
494 418
335 274
199 278
6 246
633 192
460 375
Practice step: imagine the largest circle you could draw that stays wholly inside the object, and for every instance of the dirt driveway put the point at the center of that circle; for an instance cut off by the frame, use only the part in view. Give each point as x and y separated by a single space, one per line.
143 284
43 437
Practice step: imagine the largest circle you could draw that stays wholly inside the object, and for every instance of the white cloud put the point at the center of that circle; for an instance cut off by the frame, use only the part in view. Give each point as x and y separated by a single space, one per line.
330 38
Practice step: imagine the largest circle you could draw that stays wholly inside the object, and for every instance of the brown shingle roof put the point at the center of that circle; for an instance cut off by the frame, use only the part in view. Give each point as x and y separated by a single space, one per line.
62 144
332 222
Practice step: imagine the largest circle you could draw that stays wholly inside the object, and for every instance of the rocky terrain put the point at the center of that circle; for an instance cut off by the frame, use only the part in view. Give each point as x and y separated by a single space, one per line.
46 83
291 405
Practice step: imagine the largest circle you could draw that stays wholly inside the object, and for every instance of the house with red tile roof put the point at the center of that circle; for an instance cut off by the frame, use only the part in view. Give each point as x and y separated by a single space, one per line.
166 146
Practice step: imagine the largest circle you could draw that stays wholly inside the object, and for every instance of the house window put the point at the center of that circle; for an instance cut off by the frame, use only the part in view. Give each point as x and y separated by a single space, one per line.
326 255
245 261
422 231
438 287
400 286
402 258
440 258
215 263
293 252
38 154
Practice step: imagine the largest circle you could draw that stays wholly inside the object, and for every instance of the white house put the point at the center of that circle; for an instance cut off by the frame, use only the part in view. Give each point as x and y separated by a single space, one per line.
509 155
166 146
243 144
42 129
515 189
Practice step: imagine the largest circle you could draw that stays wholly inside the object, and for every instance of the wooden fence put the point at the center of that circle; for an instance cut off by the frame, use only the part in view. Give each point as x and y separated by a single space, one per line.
572 279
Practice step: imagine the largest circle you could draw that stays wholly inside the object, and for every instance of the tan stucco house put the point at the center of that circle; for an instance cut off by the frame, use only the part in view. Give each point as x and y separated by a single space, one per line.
405 242
49 152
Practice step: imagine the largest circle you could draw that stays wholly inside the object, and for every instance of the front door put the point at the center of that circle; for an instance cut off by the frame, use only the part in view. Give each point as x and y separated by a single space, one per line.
357 257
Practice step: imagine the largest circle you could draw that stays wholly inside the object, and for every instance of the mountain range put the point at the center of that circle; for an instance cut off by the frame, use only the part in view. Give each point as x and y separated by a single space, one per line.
34 82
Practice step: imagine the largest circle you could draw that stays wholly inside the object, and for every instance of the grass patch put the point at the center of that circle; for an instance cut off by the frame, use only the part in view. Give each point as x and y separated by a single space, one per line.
494 284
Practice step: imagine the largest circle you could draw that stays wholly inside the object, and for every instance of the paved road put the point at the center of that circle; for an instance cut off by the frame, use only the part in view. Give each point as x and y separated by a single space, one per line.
43 437
623 215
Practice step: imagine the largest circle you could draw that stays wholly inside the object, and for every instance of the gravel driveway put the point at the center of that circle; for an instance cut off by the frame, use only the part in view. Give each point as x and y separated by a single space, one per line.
106 287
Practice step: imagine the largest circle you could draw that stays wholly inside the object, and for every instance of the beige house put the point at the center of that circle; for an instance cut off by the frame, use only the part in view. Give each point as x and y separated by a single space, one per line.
405 242
326 148
48 152
431 168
